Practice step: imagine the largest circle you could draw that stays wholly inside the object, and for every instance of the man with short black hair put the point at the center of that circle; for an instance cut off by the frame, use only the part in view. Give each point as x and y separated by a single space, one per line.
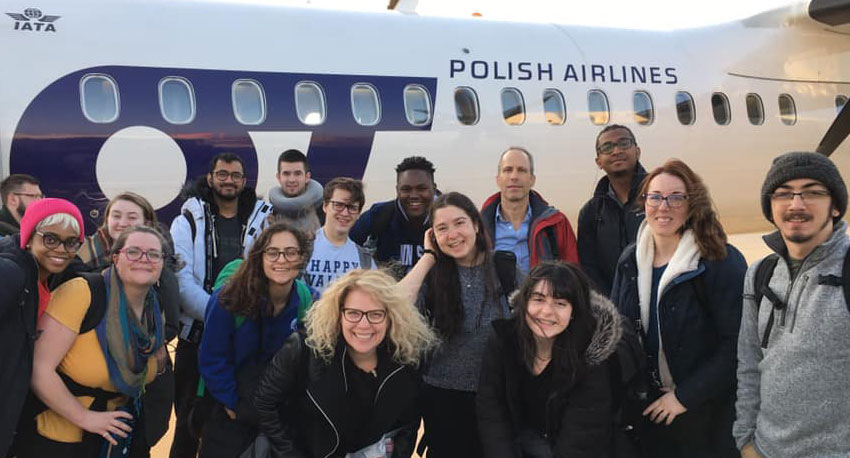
218 223
17 191
395 230
519 220
609 221
298 199
334 253
794 343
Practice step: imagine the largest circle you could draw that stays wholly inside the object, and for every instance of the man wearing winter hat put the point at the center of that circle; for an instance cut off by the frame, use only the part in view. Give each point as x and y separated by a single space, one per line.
794 344
30 263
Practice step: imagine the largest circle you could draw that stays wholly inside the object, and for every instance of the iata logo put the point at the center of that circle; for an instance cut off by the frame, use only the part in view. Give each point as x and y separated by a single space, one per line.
32 19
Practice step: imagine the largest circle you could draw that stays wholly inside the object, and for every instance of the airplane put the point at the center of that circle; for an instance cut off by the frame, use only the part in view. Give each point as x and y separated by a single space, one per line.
103 96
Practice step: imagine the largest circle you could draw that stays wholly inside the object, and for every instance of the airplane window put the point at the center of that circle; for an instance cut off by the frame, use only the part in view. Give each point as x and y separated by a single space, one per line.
466 106
513 106
310 103
787 110
417 105
249 102
365 104
597 107
99 98
644 111
176 100
840 101
720 108
554 107
685 110
755 109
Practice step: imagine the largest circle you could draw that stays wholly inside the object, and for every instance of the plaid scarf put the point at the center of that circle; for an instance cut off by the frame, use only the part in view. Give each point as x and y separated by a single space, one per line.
127 342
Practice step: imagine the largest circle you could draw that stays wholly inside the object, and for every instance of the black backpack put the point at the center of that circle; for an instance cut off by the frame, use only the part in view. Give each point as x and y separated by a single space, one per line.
761 288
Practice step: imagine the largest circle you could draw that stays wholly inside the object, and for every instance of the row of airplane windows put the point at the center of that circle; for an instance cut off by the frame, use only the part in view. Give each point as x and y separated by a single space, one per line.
100 101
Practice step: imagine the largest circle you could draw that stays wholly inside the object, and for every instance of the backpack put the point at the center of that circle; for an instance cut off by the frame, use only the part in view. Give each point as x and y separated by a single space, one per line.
761 288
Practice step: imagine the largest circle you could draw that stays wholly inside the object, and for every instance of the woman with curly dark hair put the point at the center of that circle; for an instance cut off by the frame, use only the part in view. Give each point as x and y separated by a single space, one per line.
247 321
681 285
458 288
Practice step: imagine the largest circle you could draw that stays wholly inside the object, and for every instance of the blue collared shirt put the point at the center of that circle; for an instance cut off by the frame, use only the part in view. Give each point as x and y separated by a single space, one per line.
514 240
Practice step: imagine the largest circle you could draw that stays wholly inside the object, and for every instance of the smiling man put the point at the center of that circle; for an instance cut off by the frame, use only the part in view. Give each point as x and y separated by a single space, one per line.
334 253
519 220
394 230
608 222
793 352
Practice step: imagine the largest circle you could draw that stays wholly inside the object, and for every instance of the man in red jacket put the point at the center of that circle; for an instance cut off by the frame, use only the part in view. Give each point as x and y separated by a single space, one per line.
519 220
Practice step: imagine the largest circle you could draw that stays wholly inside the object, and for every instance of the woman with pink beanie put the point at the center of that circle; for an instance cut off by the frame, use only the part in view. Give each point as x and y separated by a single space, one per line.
51 234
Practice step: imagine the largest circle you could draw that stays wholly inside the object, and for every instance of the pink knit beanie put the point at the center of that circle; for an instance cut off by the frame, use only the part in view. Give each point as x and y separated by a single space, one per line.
43 208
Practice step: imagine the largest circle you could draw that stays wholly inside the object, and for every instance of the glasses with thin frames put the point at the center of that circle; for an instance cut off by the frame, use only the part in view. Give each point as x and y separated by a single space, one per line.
673 200
372 316
807 196
223 175
135 254
608 147
289 254
338 206
31 195
52 242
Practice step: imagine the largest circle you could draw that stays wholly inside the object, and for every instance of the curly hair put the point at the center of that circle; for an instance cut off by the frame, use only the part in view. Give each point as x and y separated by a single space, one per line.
248 289
410 337
702 216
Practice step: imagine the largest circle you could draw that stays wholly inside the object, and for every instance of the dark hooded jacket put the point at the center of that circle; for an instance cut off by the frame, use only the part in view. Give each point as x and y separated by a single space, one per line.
605 228
579 418
8 224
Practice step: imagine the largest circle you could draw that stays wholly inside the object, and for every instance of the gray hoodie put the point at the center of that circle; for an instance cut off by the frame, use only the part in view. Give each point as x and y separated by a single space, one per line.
792 395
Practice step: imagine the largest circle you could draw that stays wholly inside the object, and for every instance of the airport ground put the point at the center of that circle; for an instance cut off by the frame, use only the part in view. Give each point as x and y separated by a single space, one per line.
751 245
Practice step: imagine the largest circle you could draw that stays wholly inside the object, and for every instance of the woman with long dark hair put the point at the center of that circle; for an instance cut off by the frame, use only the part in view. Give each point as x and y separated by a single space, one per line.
681 286
545 389
458 288
247 321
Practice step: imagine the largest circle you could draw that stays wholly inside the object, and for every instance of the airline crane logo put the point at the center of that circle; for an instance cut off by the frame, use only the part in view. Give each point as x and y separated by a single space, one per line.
34 20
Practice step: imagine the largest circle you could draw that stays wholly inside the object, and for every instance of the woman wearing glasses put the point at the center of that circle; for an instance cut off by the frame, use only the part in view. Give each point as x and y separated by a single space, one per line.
31 262
681 285
350 384
247 321
101 341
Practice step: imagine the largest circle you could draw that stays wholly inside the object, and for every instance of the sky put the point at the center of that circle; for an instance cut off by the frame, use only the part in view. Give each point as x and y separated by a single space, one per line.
645 14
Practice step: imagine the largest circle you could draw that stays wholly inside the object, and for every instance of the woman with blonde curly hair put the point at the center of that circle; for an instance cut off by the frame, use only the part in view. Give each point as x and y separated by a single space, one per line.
351 383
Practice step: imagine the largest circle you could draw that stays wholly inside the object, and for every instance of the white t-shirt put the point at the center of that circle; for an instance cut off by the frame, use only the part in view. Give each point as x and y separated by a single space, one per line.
330 262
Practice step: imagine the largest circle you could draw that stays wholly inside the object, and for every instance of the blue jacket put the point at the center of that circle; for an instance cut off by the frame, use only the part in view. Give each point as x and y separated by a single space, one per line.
397 242
700 340
226 347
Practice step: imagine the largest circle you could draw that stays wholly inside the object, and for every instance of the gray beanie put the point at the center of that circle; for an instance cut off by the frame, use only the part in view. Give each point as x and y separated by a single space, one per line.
791 166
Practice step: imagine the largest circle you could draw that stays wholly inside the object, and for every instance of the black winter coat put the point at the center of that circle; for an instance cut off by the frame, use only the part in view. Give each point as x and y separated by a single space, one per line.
579 416
300 402
605 228
18 312
700 339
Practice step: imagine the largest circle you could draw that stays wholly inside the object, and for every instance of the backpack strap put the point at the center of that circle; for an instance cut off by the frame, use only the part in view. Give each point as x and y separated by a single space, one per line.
191 219
97 307
761 288
305 299
845 278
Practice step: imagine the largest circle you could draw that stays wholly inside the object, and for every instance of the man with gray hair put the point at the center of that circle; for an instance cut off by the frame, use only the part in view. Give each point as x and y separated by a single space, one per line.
519 220
794 344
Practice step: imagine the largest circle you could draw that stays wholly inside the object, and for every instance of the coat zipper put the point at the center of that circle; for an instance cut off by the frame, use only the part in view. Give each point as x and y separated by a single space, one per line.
381 386
336 433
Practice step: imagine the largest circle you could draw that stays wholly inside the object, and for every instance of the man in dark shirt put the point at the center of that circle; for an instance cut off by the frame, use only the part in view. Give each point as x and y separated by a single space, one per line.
609 221
218 223
395 230
17 191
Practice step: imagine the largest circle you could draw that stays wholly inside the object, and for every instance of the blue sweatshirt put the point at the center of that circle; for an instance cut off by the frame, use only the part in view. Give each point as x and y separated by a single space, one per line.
398 242
225 348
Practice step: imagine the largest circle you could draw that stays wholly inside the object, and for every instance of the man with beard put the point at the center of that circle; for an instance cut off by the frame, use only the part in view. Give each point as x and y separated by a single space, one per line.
794 344
609 221
395 230
298 199
519 220
218 222
17 192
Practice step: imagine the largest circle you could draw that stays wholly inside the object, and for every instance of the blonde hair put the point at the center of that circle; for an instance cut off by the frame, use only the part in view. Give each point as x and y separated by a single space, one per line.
408 332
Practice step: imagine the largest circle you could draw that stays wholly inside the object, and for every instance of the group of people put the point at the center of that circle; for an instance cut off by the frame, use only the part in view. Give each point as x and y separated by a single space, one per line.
305 328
